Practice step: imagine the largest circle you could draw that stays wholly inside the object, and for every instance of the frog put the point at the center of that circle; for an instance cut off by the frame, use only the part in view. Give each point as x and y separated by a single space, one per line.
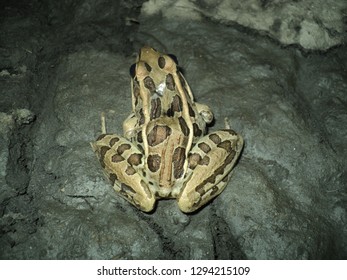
165 151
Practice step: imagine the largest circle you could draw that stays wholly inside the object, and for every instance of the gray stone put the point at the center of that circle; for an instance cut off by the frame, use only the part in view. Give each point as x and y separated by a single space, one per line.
312 24
286 197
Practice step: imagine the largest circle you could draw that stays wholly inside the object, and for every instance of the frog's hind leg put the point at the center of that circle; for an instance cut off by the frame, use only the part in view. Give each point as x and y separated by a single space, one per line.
123 165
209 164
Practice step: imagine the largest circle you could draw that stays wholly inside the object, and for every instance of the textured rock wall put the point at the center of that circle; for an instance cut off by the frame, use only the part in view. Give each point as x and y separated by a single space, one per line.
312 24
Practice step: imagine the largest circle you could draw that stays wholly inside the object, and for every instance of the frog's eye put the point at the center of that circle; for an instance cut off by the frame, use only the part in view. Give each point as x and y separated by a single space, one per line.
174 58
132 70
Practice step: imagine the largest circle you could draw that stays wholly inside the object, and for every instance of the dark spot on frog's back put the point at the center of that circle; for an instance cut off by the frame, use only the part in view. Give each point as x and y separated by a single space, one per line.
204 147
191 111
183 126
142 117
149 83
123 148
170 82
139 137
197 130
103 151
155 108
130 170
117 158
193 160
140 147
204 161
158 134
226 145
215 138
113 141
135 159
153 162
178 160
169 112
161 62
148 67
176 106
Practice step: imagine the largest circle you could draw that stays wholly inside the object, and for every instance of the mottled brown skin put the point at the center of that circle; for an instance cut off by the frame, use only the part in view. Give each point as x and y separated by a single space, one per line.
165 152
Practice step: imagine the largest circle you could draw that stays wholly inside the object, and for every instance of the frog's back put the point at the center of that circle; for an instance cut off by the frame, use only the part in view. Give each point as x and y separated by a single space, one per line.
166 154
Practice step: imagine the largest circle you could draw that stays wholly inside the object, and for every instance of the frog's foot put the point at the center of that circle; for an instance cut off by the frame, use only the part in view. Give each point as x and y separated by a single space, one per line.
209 163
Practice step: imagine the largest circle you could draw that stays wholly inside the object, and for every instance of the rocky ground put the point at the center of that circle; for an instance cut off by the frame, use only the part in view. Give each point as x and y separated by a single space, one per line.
280 78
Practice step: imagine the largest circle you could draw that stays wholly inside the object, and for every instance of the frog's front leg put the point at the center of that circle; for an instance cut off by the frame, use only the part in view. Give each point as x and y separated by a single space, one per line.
209 163
205 112
130 126
123 164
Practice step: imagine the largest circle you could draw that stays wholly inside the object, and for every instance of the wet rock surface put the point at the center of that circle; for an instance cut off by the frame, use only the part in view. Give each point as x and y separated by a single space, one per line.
63 63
